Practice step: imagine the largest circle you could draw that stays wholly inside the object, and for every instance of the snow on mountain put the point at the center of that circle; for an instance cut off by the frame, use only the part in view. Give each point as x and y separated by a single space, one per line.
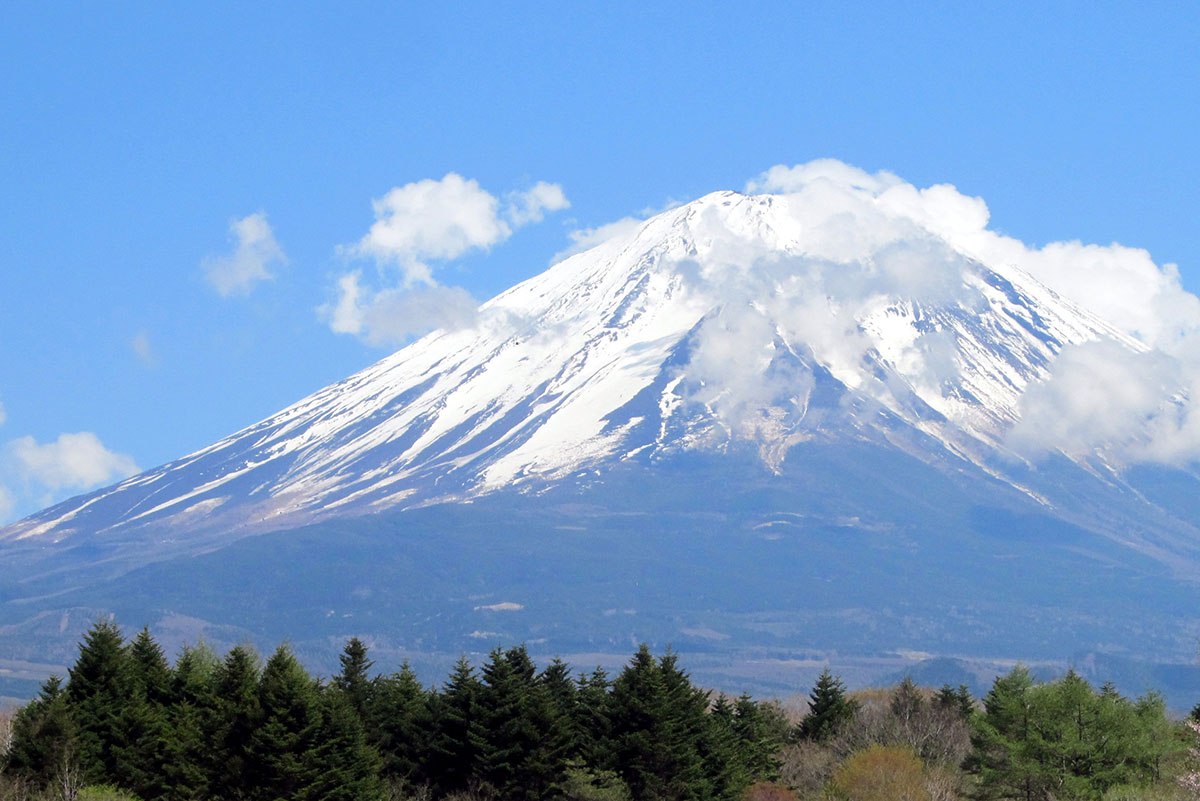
763 319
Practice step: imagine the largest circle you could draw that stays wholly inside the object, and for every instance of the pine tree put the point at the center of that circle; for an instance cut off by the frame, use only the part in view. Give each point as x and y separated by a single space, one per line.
98 690
686 727
354 681
593 721
759 732
399 726
43 736
726 773
563 696
457 739
141 740
193 721
828 708
238 714
279 746
523 757
342 766
1000 737
657 723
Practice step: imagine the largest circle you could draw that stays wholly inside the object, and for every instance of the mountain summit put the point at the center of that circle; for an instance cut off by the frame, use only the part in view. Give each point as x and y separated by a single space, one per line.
735 319
849 399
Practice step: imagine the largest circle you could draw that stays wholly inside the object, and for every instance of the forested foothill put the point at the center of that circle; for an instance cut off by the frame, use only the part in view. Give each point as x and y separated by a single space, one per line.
127 724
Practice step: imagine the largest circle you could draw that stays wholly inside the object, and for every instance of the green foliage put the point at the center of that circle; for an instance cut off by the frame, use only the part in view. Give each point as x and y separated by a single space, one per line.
340 766
586 784
828 708
97 689
592 722
43 737
457 739
398 724
193 720
279 746
105 792
236 716
958 700
880 773
354 681
1066 740
130 726
657 728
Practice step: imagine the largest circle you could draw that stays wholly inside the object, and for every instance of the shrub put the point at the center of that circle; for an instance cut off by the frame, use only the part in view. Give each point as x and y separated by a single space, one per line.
807 766
880 773
105 792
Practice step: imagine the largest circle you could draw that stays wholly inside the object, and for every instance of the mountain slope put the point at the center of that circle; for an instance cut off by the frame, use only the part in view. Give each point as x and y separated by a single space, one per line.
775 431
696 332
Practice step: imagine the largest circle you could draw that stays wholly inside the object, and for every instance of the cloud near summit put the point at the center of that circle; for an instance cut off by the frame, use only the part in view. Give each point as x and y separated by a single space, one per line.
1134 403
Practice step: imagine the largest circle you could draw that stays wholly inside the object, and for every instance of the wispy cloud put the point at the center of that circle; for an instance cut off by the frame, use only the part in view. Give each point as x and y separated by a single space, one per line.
531 205
141 347
391 316
587 238
254 254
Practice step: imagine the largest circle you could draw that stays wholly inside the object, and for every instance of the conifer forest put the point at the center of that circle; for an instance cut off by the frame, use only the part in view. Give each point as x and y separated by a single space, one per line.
127 724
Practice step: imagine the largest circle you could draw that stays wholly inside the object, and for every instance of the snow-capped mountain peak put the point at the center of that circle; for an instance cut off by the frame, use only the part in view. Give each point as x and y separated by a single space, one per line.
759 319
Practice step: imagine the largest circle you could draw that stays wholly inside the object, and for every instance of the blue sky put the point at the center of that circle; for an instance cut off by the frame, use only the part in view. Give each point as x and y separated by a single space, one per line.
133 136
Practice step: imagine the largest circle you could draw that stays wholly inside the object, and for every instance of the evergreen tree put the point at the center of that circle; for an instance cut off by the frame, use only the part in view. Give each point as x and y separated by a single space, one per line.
353 681
726 773
828 708
98 690
43 736
1000 736
238 714
523 755
342 766
279 747
563 696
149 674
399 725
457 739
142 736
593 721
760 733
1065 739
192 716
656 729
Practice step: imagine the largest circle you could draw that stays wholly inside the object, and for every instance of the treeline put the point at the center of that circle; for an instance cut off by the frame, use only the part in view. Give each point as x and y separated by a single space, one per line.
1025 740
210 728
234 728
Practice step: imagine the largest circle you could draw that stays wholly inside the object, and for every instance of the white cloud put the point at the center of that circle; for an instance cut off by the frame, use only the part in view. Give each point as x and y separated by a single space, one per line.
531 206
432 219
73 461
1102 395
255 253
416 226
392 316
782 179
140 344
7 504
874 234
587 238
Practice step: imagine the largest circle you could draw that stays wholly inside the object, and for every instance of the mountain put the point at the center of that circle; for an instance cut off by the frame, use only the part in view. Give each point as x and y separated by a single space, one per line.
761 430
